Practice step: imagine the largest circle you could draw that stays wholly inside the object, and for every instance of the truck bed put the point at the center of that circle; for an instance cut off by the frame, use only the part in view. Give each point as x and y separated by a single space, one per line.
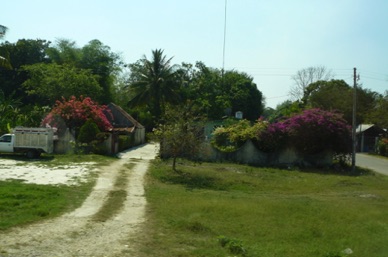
34 138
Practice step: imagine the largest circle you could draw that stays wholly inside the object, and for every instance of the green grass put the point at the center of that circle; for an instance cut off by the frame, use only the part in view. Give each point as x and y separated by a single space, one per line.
238 210
21 203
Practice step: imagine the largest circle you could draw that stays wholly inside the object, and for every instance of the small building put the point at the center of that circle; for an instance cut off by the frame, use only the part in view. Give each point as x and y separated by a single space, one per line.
367 136
124 126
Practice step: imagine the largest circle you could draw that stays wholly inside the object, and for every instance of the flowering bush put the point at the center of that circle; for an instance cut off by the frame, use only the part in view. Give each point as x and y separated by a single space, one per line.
315 130
73 113
310 132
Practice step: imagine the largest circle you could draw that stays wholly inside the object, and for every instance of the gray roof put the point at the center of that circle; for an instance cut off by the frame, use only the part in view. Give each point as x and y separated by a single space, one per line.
362 127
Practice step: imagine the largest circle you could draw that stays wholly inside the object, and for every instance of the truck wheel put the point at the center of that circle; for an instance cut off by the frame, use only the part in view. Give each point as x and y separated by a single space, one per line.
31 154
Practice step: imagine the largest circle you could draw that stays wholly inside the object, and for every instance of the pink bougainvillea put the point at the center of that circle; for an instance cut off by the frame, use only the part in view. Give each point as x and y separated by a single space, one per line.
73 113
310 132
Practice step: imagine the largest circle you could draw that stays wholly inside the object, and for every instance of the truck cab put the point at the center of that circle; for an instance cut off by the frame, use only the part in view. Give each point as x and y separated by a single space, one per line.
6 143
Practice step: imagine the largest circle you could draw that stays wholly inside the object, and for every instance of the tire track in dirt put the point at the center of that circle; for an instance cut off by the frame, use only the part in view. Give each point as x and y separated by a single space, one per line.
76 233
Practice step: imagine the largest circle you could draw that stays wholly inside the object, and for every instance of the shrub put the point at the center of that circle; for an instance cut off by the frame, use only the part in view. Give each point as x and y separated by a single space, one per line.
382 146
88 132
315 130
125 142
309 132
232 137
73 113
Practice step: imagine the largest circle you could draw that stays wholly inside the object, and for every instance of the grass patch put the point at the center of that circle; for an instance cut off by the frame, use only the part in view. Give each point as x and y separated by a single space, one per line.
116 197
21 204
238 210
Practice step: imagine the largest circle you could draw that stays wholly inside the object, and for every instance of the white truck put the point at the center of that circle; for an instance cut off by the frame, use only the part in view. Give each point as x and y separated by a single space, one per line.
29 141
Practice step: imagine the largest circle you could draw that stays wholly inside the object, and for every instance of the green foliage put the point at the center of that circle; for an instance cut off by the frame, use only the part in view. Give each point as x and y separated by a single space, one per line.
232 137
125 142
180 134
220 93
310 132
51 82
382 146
88 132
154 84
233 245
338 95
9 112
377 114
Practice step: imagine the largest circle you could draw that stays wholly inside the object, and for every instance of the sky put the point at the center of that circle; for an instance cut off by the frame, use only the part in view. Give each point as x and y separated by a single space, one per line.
270 40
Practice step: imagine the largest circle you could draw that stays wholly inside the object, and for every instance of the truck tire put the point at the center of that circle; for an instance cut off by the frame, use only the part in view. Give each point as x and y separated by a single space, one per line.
31 154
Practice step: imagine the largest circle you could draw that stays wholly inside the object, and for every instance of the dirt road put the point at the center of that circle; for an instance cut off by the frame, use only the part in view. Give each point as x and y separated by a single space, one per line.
378 164
76 233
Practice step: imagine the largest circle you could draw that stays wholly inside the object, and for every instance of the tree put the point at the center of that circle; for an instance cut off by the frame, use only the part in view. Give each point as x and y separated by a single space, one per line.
243 95
9 111
337 95
98 58
153 84
181 133
378 113
23 52
73 113
303 78
65 52
221 93
95 57
51 82
285 110
4 63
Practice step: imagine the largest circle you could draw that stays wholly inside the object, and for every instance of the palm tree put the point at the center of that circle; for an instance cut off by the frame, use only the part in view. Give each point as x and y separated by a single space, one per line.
154 84
4 63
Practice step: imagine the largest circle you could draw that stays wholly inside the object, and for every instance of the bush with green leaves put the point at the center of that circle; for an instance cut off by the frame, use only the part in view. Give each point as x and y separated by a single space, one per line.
232 137
310 132
88 132
382 146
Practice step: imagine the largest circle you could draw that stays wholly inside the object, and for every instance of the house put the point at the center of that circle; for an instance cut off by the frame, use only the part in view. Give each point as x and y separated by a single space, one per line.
367 136
124 126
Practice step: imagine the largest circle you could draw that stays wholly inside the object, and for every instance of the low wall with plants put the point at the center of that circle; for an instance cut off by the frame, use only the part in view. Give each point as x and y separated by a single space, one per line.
311 138
249 154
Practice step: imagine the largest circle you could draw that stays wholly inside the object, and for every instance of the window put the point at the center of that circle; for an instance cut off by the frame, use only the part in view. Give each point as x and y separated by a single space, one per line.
6 139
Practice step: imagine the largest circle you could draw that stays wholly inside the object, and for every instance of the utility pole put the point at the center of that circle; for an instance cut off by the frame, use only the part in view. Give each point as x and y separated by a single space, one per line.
354 138
223 50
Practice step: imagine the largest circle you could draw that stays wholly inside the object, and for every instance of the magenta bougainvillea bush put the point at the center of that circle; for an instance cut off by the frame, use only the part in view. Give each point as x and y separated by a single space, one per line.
73 113
310 132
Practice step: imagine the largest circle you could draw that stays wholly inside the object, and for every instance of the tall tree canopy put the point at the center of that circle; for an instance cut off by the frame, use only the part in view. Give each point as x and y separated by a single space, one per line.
4 63
50 82
221 93
153 83
303 78
338 95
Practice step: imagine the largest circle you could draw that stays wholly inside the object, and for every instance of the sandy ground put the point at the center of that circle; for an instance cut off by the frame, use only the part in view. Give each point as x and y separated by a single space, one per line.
75 233
40 174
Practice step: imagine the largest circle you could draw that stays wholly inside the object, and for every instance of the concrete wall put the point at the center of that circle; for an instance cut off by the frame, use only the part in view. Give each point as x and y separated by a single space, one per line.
249 154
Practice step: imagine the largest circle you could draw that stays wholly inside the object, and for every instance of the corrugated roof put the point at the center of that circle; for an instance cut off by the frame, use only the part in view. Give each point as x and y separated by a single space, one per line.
117 124
362 127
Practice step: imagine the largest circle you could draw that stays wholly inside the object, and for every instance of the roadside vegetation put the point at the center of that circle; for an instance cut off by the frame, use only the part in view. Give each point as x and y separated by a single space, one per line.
223 209
21 203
